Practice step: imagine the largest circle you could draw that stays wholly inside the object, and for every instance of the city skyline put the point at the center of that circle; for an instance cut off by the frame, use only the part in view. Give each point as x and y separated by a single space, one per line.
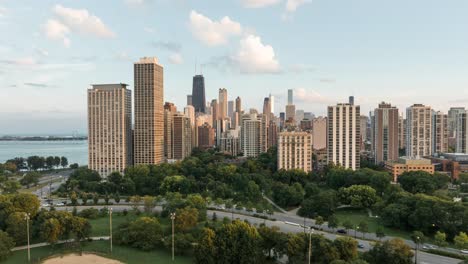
384 58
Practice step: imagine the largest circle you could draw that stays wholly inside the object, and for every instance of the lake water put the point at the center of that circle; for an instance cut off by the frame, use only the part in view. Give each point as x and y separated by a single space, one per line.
75 151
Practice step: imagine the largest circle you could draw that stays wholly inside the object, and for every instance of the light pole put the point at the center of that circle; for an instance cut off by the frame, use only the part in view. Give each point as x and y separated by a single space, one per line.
311 231
27 217
417 246
173 218
110 228
357 228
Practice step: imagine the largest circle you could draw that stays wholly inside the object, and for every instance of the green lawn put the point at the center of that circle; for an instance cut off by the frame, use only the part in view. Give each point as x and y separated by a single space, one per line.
356 216
124 254
100 226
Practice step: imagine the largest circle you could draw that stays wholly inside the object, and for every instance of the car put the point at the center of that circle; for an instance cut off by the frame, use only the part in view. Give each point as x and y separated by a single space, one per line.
360 245
341 231
60 204
464 251
45 205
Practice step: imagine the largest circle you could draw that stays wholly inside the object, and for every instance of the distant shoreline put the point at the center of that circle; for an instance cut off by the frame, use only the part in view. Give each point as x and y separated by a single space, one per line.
8 138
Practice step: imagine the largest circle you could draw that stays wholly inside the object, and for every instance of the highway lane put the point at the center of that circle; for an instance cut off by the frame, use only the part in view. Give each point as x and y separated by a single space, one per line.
423 257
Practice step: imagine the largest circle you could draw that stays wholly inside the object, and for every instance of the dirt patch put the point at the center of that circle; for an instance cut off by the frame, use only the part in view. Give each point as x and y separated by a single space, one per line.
83 259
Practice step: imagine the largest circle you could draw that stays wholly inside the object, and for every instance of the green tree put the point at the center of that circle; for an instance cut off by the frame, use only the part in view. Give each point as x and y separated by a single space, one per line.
363 228
186 219
80 227
74 199
394 251
30 178
319 221
148 204
26 203
380 233
6 244
418 237
144 233
461 240
238 242
10 186
323 204
64 162
51 230
347 225
347 248
95 199
273 241
440 239
333 222
49 162
16 227
205 251
359 196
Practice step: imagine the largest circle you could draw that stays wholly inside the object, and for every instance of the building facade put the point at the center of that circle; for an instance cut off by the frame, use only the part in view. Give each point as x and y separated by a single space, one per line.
149 112
343 141
319 132
251 135
223 103
182 136
198 94
462 133
295 151
169 111
439 132
418 131
110 141
206 136
385 126
405 164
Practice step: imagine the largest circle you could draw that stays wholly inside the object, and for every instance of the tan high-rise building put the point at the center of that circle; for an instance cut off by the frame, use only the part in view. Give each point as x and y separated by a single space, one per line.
418 131
462 132
295 151
238 105
363 128
149 112
182 136
319 133
385 139
223 104
344 139
169 110
439 132
206 136
290 114
214 111
251 135
110 138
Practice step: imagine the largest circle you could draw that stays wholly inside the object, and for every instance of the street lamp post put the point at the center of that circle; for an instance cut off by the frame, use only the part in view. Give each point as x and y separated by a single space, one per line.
27 217
357 228
417 247
110 228
173 218
311 231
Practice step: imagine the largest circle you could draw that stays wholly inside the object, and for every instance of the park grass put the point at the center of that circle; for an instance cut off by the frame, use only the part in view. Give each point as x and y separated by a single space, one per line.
355 216
100 226
123 254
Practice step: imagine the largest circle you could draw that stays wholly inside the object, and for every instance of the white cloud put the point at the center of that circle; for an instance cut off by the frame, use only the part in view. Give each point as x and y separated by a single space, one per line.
212 32
55 30
26 61
149 30
42 52
136 2
80 20
292 5
259 3
176 58
122 56
69 20
3 11
255 57
303 95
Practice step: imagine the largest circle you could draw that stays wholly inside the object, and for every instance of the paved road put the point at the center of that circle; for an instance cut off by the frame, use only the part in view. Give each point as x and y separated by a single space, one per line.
290 227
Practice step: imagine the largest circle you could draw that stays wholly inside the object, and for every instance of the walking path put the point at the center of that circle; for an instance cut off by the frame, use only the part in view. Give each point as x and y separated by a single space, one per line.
44 244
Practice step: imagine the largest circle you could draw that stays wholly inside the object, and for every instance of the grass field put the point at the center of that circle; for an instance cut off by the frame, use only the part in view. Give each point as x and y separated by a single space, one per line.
123 254
356 216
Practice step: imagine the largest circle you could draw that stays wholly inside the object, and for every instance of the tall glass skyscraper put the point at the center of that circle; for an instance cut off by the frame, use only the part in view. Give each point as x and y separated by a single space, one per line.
198 93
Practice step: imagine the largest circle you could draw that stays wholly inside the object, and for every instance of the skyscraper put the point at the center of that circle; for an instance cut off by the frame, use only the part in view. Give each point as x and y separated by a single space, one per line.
290 97
295 151
149 112
198 94
169 111
452 119
272 104
205 136
222 103
401 132
319 133
462 132
385 125
344 135
230 109
110 128
418 131
363 128
251 135
439 132
189 99
238 105
267 107
182 136
214 111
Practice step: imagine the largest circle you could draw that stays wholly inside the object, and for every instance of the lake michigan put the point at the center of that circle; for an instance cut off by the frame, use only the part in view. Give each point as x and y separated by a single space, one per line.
75 150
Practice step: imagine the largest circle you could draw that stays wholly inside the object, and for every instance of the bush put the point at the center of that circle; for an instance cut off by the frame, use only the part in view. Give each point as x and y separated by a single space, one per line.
89 213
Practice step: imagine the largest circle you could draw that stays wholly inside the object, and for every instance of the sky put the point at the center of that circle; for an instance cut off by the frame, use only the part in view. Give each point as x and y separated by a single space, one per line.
398 51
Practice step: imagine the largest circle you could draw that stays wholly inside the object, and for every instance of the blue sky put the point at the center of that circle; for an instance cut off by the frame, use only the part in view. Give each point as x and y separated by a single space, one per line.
398 51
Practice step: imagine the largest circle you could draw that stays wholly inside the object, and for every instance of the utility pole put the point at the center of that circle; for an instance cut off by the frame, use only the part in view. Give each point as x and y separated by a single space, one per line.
311 231
110 228
417 247
27 217
173 218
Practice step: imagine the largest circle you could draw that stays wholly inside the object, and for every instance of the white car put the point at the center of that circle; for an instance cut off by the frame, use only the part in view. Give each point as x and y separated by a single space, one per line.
45 205
464 251
60 204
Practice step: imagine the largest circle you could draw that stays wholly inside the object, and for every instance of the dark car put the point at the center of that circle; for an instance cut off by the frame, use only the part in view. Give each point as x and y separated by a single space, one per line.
341 231
360 246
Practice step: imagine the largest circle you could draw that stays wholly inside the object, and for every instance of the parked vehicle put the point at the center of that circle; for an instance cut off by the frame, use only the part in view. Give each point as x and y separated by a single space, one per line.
341 231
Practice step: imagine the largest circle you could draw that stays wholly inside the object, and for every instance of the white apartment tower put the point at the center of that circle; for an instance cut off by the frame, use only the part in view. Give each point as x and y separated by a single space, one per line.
344 135
295 151
418 131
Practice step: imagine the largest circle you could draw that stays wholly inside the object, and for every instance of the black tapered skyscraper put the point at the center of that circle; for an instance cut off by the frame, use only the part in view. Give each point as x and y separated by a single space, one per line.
198 94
